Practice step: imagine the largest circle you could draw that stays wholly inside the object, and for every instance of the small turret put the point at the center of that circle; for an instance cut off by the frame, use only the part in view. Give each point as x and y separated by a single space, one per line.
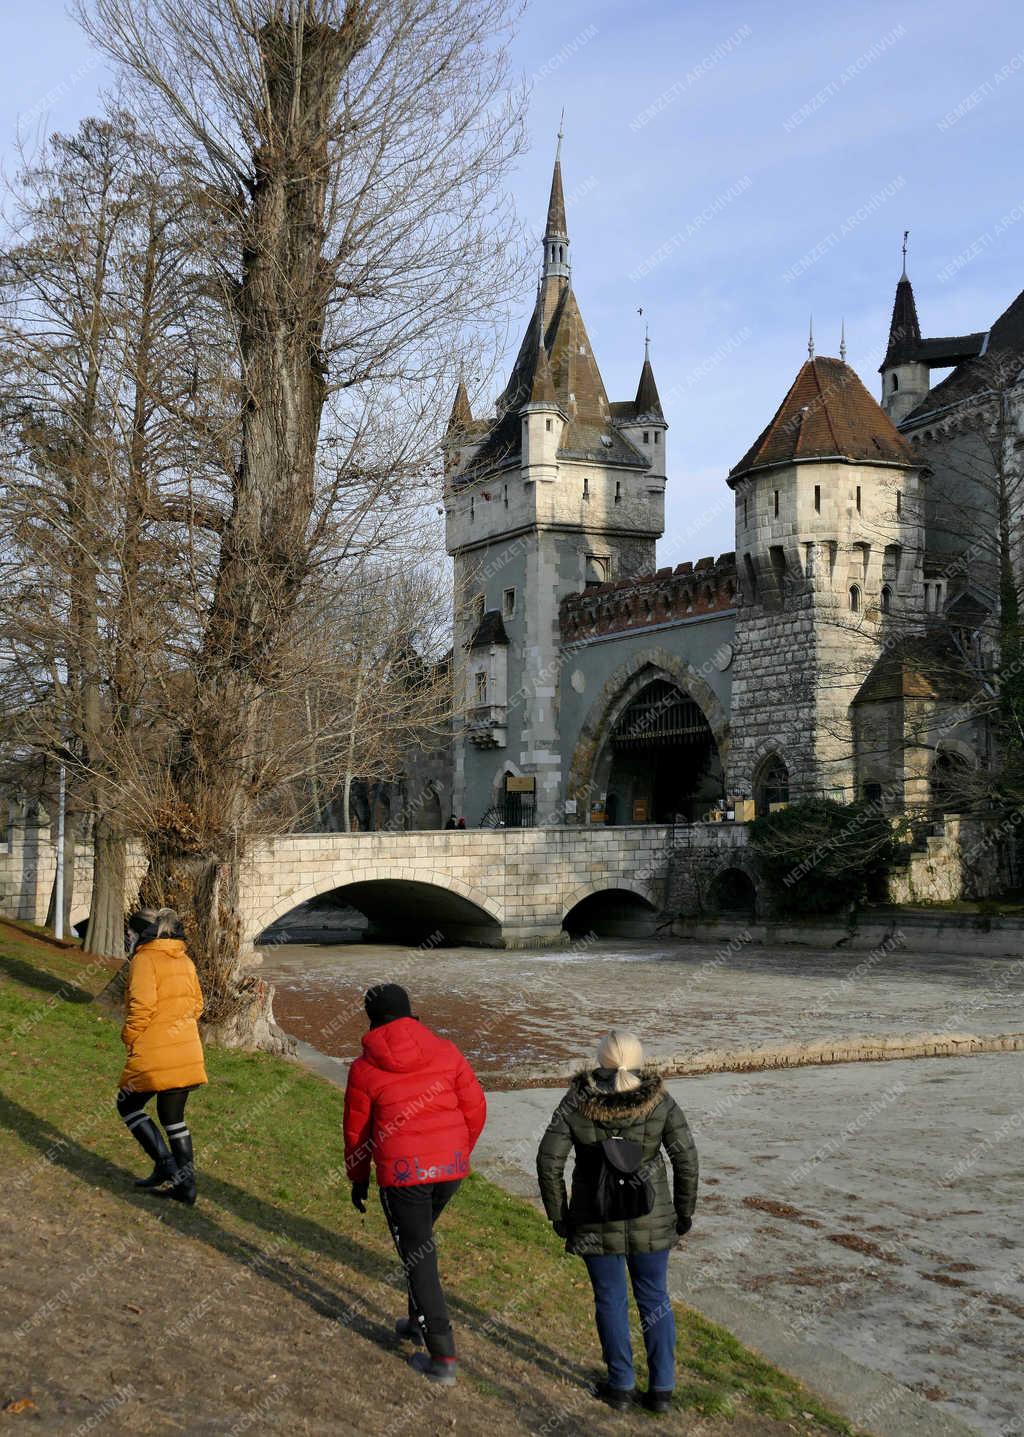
459 444
903 370
542 419
644 421
461 417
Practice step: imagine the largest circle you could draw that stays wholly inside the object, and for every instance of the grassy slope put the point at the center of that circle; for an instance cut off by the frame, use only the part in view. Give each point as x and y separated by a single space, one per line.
267 1136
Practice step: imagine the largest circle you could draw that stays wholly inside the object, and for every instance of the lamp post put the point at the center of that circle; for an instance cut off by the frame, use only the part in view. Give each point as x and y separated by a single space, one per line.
62 786
58 901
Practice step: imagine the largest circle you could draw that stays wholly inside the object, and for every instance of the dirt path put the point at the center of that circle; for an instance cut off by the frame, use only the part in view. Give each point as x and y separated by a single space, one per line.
124 1314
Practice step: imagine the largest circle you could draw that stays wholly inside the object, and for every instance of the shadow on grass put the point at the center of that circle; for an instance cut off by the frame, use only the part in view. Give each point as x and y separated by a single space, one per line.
351 1305
32 977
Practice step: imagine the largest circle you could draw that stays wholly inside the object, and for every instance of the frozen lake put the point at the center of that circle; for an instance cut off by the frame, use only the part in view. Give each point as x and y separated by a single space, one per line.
544 1008
867 1212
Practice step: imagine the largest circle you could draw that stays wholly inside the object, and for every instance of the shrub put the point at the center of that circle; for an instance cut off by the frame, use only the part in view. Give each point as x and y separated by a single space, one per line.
819 856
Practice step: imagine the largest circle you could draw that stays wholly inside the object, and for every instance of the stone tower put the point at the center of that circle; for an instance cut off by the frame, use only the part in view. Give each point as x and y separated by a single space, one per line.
561 489
829 554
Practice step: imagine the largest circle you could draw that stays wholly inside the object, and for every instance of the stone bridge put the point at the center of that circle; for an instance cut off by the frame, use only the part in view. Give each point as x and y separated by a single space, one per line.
499 887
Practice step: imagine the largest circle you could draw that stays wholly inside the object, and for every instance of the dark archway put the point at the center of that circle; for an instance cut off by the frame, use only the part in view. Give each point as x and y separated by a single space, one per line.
950 781
387 910
665 764
731 894
771 785
611 913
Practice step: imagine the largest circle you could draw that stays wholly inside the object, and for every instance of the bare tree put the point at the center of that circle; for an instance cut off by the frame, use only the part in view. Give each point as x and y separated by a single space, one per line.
349 158
106 342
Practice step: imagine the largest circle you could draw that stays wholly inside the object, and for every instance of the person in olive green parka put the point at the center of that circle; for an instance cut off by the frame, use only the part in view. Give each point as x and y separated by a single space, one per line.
623 1098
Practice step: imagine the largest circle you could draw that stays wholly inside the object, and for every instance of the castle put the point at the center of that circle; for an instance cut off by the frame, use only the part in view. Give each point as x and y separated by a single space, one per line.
834 652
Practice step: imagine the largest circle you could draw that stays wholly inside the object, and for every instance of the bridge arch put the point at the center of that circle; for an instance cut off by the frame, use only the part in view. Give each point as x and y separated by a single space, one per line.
403 904
619 908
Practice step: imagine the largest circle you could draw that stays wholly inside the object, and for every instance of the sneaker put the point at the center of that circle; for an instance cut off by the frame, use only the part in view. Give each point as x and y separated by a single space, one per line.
436 1369
619 1398
409 1330
657 1399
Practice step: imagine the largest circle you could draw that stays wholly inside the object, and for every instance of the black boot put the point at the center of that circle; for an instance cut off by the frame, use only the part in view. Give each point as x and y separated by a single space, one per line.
410 1329
151 1140
621 1399
435 1369
657 1399
184 1180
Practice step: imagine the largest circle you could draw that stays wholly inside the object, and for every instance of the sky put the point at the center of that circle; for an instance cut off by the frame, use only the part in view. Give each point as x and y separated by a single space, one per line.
732 169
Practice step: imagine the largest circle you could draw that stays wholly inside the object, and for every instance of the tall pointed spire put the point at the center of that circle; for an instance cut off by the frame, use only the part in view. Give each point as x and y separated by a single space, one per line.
556 226
556 230
904 327
810 338
842 341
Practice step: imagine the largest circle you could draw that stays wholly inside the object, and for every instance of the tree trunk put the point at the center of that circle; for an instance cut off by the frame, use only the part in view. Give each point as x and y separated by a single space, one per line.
105 933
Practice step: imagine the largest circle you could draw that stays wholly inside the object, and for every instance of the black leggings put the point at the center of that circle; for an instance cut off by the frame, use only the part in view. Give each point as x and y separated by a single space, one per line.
170 1104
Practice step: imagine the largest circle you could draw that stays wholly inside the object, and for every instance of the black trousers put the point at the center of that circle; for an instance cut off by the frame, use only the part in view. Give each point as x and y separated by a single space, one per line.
411 1213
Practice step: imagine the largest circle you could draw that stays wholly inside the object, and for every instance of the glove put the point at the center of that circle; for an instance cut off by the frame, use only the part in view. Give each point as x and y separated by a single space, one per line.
561 1229
683 1225
360 1192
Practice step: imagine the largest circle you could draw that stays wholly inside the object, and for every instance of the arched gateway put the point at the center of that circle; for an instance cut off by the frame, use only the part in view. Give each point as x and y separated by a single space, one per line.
652 748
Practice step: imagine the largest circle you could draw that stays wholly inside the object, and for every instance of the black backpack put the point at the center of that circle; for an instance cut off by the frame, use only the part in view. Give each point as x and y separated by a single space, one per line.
624 1189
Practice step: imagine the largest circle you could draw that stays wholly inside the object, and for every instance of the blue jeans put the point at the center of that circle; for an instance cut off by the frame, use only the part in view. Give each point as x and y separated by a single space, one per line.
648 1272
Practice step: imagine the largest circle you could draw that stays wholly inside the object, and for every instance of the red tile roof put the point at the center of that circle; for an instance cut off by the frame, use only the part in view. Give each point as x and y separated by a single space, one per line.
827 414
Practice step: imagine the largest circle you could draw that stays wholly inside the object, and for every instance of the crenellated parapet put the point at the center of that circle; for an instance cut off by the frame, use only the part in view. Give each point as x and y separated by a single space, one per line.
688 591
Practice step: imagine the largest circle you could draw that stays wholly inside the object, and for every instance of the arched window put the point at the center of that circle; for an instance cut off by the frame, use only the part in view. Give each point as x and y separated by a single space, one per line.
895 381
885 603
951 785
771 785
596 570
855 598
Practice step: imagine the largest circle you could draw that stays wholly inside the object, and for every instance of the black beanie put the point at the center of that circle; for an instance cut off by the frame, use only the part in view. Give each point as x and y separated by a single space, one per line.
386 1001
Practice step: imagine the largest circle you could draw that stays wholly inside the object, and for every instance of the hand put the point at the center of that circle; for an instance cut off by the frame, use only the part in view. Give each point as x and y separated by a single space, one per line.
683 1225
561 1228
360 1192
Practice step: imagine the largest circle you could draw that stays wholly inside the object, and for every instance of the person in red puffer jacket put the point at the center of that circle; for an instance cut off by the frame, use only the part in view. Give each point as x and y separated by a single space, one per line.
412 1105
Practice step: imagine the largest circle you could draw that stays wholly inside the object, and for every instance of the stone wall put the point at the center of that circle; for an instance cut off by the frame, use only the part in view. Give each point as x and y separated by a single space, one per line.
963 860
687 591
28 863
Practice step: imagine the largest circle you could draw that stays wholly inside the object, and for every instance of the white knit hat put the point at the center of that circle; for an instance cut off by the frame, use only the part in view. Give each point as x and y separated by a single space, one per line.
621 1053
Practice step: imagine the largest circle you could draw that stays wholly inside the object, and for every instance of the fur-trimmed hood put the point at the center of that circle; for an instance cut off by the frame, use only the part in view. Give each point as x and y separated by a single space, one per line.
600 1104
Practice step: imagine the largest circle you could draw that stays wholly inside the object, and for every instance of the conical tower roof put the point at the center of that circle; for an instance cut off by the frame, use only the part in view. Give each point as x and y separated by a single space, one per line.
827 414
461 418
647 400
556 365
904 328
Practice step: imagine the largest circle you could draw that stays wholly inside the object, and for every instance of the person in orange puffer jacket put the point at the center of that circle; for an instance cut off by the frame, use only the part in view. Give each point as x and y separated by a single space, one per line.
163 1003
413 1104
